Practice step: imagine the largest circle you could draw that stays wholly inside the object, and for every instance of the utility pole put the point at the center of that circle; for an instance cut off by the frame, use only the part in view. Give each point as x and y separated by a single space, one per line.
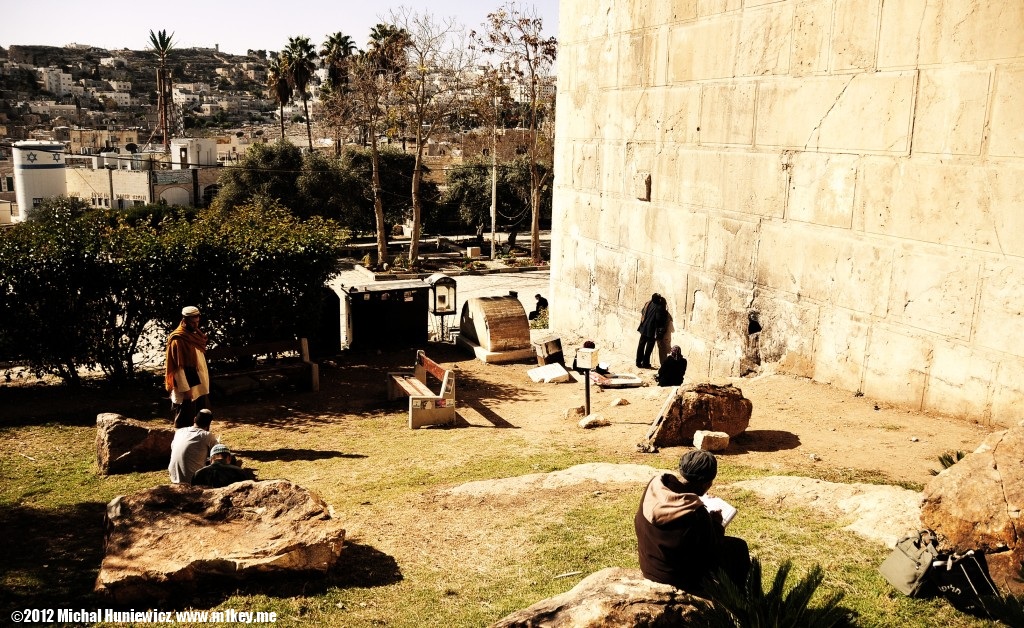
494 169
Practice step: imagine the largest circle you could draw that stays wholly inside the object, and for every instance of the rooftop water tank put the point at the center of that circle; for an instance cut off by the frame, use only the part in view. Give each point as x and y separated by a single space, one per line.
38 173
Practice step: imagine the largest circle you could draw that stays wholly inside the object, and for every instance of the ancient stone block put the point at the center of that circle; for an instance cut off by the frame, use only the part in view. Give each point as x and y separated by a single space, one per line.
710 441
1008 391
705 407
765 40
161 541
959 380
822 188
1000 319
950 112
727 113
840 348
802 260
858 112
969 206
681 109
897 366
977 502
930 32
854 33
812 25
611 597
124 445
703 49
935 292
1007 128
731 245
754 183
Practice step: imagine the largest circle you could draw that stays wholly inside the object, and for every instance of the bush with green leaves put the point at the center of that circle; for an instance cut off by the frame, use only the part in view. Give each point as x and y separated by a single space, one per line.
396 189
313 184
468 195
947 460
80 285
780 606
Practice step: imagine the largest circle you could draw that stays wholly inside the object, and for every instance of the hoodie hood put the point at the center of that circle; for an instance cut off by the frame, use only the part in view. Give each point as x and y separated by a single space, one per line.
668 498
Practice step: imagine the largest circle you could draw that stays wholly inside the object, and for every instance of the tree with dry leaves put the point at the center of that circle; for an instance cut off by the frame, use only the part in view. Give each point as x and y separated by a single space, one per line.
514 35
437 77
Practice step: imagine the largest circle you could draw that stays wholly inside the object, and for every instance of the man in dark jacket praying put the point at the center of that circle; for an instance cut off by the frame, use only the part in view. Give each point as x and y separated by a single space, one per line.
679 541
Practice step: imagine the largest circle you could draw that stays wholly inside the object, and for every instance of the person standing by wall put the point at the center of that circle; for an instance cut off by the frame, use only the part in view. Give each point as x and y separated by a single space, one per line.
653 319
185 375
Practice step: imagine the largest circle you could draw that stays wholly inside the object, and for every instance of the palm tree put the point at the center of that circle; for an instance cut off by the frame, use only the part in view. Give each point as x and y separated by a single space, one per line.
337 52
388 45
300 61
162 44
277 81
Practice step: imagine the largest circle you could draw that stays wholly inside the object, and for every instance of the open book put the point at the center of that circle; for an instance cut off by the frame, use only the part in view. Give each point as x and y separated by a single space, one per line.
717 503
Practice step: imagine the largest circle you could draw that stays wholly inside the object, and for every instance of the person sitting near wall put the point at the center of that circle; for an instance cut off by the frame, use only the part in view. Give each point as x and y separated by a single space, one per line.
542 306
224 469
673 368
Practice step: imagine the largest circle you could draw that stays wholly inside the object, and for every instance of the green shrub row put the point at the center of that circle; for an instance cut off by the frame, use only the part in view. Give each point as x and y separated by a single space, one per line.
79 286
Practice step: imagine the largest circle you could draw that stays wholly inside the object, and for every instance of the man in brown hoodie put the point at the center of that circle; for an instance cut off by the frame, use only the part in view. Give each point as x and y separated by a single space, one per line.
679 541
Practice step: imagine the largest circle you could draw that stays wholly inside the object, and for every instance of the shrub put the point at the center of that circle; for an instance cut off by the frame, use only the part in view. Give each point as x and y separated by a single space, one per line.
780 606
80 285
947 460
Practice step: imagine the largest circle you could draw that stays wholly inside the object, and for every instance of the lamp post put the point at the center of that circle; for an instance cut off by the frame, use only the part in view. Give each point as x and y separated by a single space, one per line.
587 359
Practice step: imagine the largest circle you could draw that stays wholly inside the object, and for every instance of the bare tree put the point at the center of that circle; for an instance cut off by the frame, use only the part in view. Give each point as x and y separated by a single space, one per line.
516 36
368 102
439 61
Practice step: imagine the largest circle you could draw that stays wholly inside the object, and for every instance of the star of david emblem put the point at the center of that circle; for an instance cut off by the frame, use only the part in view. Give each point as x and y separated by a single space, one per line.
32 157
56 156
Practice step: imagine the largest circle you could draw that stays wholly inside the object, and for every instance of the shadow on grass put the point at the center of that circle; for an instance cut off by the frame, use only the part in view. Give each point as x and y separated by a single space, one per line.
288 454
51 557
359 566
763 440
490 415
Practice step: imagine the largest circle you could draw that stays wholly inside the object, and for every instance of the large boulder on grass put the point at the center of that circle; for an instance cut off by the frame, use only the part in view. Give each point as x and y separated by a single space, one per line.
977 503
706 407
124 445
162 542
612 597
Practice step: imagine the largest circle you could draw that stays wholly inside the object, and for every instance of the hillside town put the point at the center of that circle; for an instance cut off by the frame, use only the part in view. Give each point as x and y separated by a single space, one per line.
98 116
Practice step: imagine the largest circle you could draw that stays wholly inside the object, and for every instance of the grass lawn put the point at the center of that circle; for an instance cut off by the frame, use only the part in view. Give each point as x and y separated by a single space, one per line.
415 556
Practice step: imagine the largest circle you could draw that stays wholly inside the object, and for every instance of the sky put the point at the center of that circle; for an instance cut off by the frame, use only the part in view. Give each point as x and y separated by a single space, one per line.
236 25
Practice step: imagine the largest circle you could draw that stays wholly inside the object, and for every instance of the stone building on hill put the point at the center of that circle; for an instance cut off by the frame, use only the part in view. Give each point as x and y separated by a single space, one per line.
830 188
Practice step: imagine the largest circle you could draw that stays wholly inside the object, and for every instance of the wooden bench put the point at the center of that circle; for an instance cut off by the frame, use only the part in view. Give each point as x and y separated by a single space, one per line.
262 365
425 406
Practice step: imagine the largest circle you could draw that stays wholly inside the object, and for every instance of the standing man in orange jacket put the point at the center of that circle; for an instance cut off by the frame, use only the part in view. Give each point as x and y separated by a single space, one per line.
185 376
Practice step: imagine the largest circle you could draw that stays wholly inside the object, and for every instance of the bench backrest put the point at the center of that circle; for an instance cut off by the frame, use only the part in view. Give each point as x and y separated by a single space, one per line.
425 365
430 366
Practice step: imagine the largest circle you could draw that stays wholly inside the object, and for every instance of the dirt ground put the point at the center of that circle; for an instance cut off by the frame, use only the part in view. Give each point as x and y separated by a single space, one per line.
797 425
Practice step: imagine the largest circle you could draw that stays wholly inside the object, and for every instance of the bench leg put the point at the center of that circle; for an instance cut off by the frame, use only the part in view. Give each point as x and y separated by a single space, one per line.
425 411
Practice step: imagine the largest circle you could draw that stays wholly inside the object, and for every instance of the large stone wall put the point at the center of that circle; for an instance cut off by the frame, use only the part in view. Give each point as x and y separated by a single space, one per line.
846 174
